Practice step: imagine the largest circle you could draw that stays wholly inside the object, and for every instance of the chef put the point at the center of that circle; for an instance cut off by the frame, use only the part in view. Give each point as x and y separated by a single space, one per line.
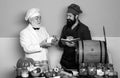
34 38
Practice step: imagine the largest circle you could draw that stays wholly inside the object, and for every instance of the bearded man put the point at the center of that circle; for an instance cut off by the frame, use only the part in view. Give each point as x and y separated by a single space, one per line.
73 29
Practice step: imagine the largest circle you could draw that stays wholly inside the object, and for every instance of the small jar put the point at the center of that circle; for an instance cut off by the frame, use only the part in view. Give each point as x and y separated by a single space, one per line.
18 71
24 74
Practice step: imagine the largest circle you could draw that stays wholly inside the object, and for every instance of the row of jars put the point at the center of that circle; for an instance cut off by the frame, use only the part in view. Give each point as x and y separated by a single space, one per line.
97 69
26 67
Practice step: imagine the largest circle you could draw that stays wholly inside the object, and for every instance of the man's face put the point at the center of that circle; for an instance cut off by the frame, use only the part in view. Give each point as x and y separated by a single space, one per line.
36 20
70 19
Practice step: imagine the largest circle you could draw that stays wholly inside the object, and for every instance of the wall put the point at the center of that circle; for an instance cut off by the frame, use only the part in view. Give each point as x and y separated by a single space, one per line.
96 13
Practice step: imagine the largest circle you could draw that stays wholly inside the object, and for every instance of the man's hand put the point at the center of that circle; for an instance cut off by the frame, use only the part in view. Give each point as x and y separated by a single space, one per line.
54 41
44 44
70 44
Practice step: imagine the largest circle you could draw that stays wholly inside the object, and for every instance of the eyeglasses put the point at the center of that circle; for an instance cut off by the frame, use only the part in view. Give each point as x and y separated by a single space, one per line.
37 18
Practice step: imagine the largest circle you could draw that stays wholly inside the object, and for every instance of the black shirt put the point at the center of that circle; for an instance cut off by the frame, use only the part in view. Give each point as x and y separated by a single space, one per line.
69 55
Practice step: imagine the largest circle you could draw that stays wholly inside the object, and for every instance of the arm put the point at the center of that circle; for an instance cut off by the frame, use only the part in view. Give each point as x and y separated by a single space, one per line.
86 34
61 36
44 43
27 45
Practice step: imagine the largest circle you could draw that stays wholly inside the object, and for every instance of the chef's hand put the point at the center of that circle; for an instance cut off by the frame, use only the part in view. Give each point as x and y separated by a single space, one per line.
70 44
44 44
54 40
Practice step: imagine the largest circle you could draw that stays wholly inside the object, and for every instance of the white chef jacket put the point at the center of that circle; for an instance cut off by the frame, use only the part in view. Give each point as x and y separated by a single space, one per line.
30 41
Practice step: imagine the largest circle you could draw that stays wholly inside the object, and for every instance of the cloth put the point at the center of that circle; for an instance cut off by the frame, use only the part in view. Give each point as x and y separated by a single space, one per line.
74 9
32 13
81 31
30 40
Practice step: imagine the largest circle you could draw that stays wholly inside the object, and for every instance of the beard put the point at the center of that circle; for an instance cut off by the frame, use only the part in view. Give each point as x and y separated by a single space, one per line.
70 22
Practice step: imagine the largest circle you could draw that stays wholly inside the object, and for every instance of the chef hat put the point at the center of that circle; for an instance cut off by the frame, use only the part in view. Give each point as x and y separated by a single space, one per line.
32 13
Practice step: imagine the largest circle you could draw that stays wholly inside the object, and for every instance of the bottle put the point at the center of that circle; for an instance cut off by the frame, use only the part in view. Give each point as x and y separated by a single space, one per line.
91 70
24 73
83 70
100 70
42 75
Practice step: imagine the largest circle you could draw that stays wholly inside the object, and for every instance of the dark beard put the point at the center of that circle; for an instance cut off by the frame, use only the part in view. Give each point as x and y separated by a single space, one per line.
70 22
